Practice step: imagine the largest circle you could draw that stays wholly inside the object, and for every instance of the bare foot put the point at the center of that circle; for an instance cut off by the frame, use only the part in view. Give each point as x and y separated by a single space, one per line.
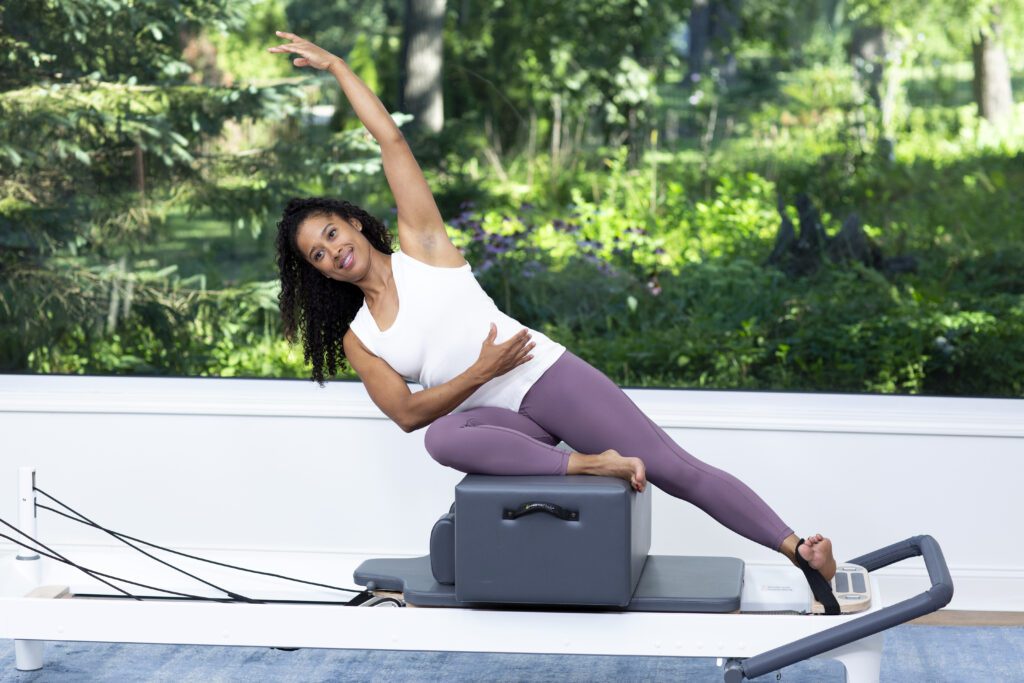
610 464
817 550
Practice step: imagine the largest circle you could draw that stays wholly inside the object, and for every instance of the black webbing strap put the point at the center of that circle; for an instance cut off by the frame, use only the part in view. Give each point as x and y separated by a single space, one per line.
821 588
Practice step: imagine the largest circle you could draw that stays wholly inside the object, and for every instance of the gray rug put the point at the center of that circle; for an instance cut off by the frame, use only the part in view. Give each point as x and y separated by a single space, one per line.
912 653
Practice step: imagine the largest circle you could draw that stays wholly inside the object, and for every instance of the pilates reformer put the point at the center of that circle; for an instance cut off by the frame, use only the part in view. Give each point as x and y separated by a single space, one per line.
554 565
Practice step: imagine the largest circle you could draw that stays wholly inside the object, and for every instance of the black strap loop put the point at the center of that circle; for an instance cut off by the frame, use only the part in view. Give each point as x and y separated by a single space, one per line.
821 588
549 508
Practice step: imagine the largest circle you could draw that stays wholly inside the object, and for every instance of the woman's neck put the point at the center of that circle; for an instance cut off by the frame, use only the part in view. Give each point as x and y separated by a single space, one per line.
379 281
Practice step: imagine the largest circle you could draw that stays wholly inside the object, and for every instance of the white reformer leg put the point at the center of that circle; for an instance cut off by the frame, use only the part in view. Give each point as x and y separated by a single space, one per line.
28 654
862 659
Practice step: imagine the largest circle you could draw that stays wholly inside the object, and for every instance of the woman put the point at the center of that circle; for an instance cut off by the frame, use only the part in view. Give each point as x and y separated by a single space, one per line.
419 315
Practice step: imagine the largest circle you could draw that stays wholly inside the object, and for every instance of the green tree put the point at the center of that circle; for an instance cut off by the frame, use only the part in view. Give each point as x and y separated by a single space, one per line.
563 67
974 27
103 133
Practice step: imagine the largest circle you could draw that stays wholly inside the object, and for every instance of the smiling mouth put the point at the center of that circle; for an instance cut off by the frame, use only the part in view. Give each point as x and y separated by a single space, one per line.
347 261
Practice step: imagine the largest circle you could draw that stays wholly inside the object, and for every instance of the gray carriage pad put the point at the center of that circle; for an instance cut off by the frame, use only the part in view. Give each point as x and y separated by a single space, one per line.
668 583
671 583
411 576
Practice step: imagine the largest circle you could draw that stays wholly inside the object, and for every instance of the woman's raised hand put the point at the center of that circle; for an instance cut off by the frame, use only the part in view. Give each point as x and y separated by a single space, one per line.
309 54
497 359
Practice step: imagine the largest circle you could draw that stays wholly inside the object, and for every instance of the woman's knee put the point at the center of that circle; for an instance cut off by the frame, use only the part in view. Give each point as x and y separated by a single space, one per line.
437 440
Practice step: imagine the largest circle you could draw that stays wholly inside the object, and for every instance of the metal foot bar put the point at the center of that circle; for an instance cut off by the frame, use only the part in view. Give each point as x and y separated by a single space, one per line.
936 597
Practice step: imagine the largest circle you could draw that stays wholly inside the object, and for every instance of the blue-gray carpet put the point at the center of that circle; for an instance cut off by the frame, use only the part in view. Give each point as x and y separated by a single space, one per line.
912 653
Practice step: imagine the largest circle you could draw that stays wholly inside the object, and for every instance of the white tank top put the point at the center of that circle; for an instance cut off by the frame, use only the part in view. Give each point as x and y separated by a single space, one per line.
444 315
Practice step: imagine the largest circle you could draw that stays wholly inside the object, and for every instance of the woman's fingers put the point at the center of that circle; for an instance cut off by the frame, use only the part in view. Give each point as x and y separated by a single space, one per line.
524 354
518 338
290 36
518 341
301 61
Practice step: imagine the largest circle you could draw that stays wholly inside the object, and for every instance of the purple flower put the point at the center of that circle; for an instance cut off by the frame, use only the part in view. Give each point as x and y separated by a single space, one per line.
531 268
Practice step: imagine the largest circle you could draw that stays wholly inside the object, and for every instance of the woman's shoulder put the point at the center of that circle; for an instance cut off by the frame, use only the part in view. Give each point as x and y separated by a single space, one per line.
440 254
358 322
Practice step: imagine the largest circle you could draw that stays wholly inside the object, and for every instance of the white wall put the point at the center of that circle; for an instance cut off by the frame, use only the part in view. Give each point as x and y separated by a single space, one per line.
313 479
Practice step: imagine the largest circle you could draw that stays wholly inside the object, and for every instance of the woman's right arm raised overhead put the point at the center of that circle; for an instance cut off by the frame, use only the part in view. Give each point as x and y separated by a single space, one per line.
421 230
423 236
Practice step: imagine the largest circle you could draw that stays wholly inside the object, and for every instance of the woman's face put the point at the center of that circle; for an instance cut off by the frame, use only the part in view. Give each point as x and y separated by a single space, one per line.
335 246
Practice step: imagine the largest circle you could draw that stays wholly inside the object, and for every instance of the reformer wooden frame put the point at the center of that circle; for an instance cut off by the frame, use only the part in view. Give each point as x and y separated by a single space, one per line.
746 645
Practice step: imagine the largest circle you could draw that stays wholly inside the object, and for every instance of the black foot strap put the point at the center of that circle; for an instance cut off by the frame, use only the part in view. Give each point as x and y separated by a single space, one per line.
821 588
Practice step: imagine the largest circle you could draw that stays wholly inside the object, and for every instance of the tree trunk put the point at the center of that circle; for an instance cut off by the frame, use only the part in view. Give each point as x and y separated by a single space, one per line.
875 55
993 90
556 133
199 53
700 39
725 24
423 55
713 27
867 53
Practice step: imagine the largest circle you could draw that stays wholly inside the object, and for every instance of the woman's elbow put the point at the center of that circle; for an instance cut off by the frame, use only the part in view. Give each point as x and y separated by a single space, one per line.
407 422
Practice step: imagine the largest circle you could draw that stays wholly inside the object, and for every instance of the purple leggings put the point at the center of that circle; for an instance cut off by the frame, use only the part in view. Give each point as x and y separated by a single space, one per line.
576 403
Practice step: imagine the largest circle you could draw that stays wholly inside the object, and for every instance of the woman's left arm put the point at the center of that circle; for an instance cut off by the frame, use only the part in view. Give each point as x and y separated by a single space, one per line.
419 222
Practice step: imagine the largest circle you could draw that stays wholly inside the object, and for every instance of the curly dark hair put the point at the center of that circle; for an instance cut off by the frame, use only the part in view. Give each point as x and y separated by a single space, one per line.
321 308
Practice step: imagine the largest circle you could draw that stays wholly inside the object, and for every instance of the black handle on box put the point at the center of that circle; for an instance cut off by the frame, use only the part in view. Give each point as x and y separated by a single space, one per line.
549 508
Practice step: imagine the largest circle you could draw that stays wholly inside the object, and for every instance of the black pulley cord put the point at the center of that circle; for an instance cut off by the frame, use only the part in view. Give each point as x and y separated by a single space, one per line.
57 556
96 574
231 594
82 519
120 535
355 601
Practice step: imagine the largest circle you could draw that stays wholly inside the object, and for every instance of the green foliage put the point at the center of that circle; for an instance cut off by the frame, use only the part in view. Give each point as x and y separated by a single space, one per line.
226 333
107 130
639 240
843 330
235 47
600 55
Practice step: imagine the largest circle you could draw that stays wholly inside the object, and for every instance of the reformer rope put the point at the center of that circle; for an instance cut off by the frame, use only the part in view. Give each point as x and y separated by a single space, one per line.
120 536
53 554
75 516
96 574
89 522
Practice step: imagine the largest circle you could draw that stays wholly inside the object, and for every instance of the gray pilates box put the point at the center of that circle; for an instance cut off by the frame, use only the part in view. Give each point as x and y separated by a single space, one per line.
577 541
572 540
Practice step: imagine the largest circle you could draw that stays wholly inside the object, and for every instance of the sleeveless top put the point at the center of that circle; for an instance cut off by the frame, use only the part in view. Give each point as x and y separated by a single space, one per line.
444 315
